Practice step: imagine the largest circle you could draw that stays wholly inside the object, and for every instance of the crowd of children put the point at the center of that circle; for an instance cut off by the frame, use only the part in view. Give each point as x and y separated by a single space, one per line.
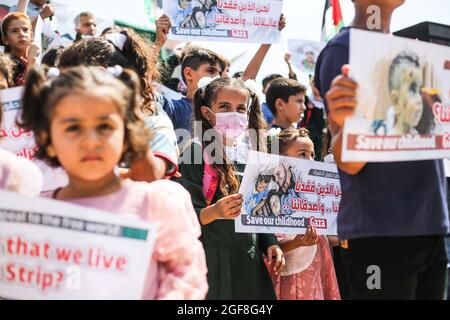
129 149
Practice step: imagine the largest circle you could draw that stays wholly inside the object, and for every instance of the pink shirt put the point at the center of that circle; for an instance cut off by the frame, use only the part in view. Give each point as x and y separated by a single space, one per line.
19 174
178 267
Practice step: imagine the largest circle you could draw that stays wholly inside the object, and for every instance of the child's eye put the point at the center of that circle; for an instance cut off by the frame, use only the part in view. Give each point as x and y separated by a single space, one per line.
242 109
105 126
72 128
413 87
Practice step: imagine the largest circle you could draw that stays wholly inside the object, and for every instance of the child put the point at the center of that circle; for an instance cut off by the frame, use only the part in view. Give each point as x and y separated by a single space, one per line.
405 85
286 100
403 234
87 121
125 48
309 272
17 35
235 260
17 174
259 195
198 63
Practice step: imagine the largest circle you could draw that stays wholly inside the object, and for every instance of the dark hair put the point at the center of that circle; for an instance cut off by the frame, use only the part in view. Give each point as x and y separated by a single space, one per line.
287 137
282 88
42 95
197 57
264 178
205 97
92 52
136 55
268 79
51 57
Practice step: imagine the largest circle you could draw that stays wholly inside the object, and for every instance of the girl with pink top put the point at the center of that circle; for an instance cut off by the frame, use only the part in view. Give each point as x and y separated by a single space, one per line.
309 273
86 120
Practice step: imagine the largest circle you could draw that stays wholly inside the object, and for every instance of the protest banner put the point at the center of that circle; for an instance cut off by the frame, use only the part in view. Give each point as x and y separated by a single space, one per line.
286 195
305 54
21 142
54 250
224 20
403 96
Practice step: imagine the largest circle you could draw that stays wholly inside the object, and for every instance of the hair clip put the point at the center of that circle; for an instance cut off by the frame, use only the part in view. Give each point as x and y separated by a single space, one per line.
117 39
203 82
251 85
53 73
116 71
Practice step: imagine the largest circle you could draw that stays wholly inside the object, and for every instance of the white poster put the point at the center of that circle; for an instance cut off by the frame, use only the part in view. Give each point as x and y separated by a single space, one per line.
22 143
53 250
403 95
305 54
285 195
224 20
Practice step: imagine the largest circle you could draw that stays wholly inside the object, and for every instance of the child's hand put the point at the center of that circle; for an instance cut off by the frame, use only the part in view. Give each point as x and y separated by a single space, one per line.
276 258
33 52
341 100
287 58
162 29
282 23
146 168
229 207
308 239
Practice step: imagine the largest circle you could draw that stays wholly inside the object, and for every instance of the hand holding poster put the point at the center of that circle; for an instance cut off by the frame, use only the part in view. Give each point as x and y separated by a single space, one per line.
224 20
63 251
305 54
285 195
403 110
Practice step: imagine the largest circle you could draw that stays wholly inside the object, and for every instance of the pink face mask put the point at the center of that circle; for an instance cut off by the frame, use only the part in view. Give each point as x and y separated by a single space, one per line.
231 124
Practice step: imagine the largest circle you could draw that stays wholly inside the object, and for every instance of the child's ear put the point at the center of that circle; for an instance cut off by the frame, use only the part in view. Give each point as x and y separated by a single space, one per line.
279 104
4 40
188 74
205 113
51 152
394 96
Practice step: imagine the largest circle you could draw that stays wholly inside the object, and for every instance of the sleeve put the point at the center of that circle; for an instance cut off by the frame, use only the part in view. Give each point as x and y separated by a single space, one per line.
164 142
168 106
328 67
191 169
265 241
178 250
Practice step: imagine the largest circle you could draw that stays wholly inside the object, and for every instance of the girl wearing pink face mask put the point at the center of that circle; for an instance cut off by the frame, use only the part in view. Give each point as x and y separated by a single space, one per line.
224 110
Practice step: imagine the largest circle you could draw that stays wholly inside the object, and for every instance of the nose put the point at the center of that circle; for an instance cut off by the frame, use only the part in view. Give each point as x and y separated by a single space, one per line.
91 140
302 107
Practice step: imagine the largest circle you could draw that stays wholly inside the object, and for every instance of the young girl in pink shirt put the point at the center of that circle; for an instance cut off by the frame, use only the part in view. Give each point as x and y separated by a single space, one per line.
309 273
86 120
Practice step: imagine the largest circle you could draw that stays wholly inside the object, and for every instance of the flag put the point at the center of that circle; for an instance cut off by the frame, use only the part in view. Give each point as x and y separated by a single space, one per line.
332 20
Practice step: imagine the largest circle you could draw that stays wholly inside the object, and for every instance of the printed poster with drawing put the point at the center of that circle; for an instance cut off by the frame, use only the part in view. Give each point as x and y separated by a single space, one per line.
285 195
224 20
22 143
403 110
305 54
53 250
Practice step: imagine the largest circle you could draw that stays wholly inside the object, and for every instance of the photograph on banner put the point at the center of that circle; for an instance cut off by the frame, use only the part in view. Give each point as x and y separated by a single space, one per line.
224 20
285 195
403 95
53 250
305 54
22 143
